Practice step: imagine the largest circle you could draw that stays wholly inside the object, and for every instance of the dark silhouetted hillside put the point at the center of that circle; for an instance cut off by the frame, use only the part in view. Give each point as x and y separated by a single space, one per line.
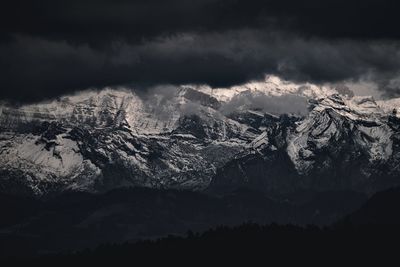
75 221
382 209
247 245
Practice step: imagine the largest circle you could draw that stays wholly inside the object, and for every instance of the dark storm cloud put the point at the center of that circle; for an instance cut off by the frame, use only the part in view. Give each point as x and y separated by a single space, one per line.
48 48
100 20
34 68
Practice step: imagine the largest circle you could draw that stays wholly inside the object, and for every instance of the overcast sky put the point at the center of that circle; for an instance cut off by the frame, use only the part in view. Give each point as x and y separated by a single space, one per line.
49 48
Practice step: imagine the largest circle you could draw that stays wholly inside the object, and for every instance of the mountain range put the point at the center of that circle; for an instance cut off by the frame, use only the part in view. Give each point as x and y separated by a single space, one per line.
274 136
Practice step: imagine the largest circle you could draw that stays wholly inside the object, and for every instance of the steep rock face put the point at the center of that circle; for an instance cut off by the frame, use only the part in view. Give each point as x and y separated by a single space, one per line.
194 138
343 144
96 141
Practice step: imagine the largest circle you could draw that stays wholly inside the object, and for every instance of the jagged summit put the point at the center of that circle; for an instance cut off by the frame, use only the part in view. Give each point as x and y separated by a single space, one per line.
195 137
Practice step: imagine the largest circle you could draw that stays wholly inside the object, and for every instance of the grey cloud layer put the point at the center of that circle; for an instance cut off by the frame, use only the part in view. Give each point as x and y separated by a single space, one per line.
50 47
35 68
272 104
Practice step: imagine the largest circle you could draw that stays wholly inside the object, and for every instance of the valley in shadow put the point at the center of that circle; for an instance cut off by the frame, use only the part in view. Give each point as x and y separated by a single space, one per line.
75 221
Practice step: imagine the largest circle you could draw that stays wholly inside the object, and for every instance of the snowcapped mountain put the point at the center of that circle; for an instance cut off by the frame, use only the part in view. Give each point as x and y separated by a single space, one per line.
100 140
342 144
199 138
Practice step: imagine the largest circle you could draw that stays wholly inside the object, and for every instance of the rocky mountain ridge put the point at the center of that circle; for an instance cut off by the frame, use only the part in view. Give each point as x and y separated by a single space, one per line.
197 138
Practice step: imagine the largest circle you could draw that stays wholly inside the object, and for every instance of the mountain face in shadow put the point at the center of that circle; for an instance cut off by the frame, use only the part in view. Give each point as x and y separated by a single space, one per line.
80 220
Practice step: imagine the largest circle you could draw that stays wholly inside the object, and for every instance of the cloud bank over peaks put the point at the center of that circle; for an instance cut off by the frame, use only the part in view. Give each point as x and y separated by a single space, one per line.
34 68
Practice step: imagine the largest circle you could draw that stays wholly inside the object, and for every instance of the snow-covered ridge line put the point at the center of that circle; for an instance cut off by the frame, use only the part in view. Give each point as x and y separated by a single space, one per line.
115 98
179 138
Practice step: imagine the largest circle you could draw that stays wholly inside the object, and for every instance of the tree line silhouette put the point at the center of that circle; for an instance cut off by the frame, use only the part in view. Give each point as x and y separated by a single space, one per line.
250 243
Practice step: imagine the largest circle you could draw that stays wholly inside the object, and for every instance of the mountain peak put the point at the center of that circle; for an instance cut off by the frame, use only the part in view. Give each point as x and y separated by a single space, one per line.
98 140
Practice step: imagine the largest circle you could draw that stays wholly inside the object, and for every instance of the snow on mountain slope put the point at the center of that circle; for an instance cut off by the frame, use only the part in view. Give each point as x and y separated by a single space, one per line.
25 159
344 143
389 105
335 119
99 140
